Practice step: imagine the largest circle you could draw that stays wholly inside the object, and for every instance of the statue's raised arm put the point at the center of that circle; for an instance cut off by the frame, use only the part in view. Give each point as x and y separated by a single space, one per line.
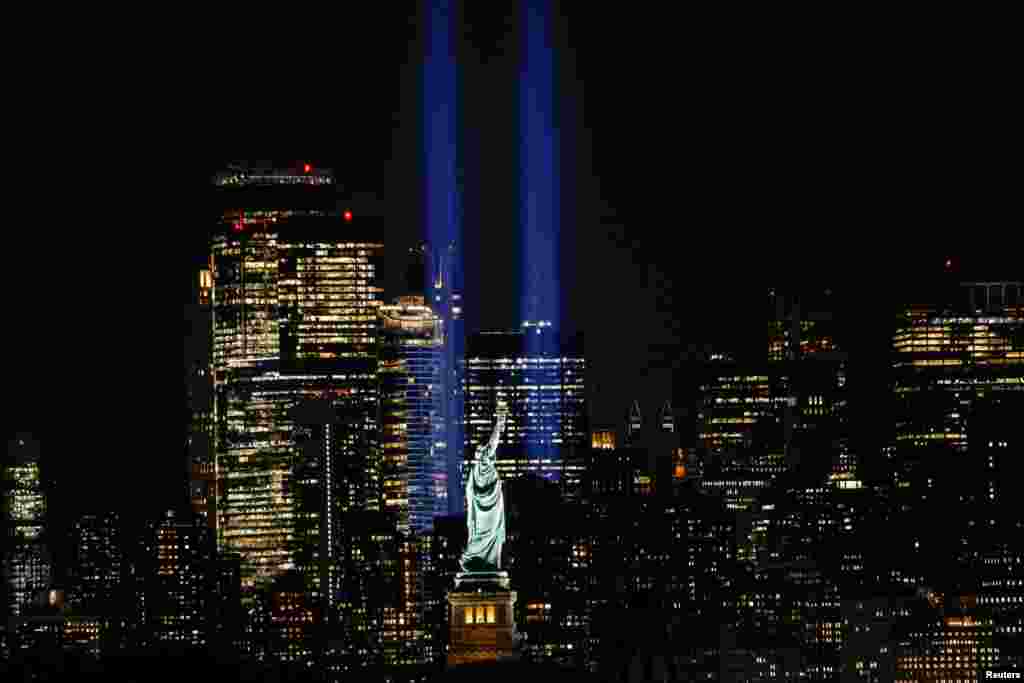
499 427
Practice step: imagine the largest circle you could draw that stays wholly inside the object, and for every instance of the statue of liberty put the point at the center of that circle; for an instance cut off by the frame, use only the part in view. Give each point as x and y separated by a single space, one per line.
485 507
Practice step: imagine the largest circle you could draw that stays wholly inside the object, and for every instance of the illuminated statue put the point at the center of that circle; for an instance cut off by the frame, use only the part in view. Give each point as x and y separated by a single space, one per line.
485 513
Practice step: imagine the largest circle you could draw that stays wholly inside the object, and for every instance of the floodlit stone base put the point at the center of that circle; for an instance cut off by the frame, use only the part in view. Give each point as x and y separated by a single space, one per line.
481 622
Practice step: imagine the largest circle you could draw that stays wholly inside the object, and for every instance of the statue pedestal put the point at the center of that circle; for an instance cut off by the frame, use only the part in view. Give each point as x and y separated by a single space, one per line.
482 627
477 581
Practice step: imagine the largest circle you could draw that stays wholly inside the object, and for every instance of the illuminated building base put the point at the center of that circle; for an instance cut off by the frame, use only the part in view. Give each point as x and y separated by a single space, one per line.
481 618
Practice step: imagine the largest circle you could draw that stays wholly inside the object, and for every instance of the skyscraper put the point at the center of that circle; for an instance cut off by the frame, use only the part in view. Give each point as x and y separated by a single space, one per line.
97 571
415 468
178 580
958 392
294 306
26 559
815 369
199 453
542 381
445 289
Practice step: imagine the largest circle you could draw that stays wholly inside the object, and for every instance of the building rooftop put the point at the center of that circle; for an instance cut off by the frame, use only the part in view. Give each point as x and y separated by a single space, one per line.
244 174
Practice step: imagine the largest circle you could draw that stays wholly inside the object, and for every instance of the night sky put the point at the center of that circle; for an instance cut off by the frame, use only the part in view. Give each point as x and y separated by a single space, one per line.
698 176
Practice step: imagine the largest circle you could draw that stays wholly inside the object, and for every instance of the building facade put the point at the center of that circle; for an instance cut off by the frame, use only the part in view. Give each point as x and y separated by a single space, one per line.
445 299
294 361
542 381
414 458
958 380
958 390
762 415
199 453
97 574
414 462
176 576
27 562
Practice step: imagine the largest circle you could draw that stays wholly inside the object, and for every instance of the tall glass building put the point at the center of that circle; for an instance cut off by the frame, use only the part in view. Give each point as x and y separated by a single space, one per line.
958 394
954 363
26 560
445 292
294 359
542 381
414 458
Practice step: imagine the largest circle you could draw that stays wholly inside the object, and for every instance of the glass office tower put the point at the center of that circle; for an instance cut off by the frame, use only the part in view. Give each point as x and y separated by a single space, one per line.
955 365
958 393
415 469
294 359
542 381
26 560
445 292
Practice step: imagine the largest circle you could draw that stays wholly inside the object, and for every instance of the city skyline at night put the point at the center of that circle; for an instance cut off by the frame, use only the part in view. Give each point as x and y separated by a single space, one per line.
779 488
521 340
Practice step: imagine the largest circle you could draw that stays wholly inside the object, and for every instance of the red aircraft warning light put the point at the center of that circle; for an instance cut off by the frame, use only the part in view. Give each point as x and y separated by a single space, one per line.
348 216
306 168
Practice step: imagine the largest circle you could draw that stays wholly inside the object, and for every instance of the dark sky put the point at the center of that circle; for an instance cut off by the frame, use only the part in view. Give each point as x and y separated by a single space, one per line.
702 174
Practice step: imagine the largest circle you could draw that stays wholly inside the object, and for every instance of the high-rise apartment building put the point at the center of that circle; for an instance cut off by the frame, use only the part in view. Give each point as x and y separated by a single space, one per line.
542 381
26 559
373 631
290 634
177 581
98 562
294 360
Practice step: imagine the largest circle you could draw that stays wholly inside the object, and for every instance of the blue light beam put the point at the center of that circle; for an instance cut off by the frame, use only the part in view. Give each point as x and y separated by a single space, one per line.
443 224
539 215
539 169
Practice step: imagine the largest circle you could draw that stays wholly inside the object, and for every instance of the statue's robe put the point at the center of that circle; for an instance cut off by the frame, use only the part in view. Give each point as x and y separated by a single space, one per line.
485 515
